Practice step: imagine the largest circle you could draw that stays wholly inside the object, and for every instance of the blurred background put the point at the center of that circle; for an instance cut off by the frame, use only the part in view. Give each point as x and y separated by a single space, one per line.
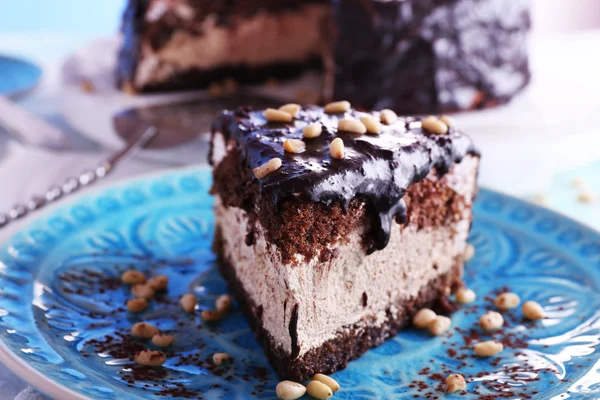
550 139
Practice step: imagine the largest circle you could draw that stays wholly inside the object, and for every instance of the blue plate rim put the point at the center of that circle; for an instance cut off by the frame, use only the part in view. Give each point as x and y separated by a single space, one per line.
55 389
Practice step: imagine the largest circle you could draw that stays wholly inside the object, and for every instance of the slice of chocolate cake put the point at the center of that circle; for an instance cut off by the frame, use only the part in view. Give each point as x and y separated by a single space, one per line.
413 56
334 226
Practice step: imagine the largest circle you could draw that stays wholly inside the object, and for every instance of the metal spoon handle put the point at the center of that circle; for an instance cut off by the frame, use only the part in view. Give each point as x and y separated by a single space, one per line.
72 185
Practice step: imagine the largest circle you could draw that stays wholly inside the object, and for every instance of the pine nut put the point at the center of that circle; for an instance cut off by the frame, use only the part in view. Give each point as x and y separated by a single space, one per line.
433 125
211 315
488 349
162 340
319 390
294 146
224 303
541 199
578 183
388 116
352 126
371 123
312 131
128 88
337 107
532 310
439 325
215 90
288 390
292 109
329 381
133 277
230 85
144 330
307 96
491 321
188 302
448 120
273 115
143 291
270 166
507 301
220 358
137 305
336 148
88 86
159 282
465 295
469 252
423 318
150 358
586 197
455 383
272 83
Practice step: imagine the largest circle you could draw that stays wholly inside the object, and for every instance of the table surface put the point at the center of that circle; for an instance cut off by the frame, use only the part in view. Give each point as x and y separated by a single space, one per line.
26 171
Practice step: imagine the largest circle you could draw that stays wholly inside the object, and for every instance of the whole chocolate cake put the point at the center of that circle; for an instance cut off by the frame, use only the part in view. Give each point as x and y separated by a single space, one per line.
413 56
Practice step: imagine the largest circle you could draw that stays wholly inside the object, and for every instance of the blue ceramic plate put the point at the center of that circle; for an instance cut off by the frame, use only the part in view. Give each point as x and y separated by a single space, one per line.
63 325
17 76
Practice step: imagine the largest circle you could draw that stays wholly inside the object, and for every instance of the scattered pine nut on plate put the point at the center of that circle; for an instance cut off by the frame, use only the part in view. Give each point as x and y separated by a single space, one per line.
439 325
133 277
465 295
455 383
491 321
507 301
288 390
423 318
329 381
532 310
319 390
488 348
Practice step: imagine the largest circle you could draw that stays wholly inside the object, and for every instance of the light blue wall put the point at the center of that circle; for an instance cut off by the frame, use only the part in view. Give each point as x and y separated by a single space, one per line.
90 16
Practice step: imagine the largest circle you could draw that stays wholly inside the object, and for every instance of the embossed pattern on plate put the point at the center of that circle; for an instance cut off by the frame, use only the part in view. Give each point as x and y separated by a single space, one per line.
60 297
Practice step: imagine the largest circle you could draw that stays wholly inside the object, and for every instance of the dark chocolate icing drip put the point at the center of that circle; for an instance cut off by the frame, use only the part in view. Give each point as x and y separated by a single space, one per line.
293 330
376 168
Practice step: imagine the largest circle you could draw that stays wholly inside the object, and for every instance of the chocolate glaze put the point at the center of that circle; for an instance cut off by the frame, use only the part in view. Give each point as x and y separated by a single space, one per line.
377 168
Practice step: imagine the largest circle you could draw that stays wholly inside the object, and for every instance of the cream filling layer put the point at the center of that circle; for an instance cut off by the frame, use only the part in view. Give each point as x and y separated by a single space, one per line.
287 36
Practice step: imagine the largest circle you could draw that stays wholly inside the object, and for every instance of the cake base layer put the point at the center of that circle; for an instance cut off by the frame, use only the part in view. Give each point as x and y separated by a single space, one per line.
351 341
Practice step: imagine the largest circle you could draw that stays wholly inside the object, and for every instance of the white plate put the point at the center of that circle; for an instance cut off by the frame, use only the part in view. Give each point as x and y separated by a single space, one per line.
549 128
